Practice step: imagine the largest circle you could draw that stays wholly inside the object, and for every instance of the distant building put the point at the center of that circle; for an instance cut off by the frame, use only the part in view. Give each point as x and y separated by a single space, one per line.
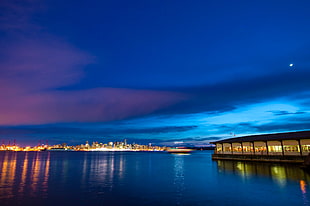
279 147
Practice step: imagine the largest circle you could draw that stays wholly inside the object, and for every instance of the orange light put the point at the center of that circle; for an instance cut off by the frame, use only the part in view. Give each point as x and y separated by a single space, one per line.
303 185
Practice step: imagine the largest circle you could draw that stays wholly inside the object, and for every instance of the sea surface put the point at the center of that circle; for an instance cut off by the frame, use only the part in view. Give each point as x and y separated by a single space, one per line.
146 178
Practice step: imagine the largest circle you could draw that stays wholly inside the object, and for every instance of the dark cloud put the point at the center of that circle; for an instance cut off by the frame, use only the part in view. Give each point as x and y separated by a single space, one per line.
281 113
280 127
77 135
285 124
228 95
193 139
167 129
53 130
291 123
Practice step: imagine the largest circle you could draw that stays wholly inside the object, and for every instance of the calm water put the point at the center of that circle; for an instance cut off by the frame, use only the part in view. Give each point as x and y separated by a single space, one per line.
142 178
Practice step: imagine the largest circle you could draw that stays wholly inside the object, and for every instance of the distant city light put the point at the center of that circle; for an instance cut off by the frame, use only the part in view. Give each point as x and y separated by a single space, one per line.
95 146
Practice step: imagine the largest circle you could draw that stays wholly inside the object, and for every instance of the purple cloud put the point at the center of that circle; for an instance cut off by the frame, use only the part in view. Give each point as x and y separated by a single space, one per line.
33 70
100 104
34 65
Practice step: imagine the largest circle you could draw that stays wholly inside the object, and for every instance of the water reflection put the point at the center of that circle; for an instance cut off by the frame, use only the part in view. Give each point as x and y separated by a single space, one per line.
280 174
8 171
103 168
303 188
179 176
28 174
101 178
22 173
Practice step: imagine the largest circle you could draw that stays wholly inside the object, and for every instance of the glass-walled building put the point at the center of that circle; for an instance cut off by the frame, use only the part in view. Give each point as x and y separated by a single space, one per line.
290 145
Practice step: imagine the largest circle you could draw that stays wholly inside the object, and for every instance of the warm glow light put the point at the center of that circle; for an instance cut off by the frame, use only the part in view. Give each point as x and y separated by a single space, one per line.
303 186
86 147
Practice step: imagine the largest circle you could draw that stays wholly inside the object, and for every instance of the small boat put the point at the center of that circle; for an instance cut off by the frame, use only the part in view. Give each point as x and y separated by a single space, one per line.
59 149
182 150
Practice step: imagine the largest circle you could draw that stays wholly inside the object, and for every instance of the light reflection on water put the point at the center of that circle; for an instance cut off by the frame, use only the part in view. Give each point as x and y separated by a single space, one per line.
303 188
179 177
281 175
8 168
19 169
303 185
124 178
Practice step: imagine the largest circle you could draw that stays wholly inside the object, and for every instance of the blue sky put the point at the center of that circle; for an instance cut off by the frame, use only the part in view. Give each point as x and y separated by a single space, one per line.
152 71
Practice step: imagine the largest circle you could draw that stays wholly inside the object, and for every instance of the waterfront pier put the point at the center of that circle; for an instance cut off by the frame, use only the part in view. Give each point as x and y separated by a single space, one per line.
289 147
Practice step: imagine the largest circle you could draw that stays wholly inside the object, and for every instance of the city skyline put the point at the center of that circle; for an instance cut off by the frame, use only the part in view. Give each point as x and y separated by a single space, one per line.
152 72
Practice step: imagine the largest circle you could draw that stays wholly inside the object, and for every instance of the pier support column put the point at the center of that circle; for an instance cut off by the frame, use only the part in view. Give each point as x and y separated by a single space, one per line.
222 148
267 148
282 147
253 148
231 148
300 148
241 147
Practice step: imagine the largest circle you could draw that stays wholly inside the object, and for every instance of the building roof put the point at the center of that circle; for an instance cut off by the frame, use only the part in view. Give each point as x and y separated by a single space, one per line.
268 137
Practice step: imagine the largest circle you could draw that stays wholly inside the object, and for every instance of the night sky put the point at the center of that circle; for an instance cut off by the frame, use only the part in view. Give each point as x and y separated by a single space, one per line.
152 71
